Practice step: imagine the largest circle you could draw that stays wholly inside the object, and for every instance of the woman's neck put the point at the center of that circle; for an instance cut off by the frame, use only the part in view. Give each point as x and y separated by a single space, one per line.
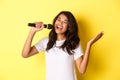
61 37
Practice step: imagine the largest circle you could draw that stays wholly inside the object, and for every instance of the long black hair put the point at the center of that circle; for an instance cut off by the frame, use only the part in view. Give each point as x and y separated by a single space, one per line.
72 39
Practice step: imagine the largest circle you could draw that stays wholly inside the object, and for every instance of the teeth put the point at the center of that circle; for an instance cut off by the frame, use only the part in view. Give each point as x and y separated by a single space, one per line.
59 26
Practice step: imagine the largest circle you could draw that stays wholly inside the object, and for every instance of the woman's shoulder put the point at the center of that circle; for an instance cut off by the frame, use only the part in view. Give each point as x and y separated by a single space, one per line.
44 39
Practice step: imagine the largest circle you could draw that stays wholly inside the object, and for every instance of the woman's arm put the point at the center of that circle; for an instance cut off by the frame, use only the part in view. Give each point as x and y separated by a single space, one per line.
27 49
82 62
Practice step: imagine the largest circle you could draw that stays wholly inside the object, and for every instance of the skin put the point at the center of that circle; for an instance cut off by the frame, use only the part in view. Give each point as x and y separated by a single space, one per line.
61 25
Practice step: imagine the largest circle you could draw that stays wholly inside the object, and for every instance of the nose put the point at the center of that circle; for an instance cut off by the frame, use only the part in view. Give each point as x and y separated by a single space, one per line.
61 22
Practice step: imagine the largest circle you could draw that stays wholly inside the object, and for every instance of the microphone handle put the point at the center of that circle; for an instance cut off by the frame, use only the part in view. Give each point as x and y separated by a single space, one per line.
33 25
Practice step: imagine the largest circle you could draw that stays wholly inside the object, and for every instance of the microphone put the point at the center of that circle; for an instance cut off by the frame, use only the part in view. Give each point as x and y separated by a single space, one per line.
48 26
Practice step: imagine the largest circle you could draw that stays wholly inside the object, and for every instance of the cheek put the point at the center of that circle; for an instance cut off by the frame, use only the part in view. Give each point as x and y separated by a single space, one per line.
57 22
65 27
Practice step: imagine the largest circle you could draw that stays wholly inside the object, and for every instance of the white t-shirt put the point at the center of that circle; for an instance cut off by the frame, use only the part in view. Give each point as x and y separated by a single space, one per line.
59 64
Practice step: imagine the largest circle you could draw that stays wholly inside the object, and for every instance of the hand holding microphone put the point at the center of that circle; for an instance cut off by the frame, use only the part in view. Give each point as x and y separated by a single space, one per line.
37 26
48 26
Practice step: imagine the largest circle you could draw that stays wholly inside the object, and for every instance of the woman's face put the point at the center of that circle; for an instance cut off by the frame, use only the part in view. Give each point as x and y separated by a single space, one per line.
61 24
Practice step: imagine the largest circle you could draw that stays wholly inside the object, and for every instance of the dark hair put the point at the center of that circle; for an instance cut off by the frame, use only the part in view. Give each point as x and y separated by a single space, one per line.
72 39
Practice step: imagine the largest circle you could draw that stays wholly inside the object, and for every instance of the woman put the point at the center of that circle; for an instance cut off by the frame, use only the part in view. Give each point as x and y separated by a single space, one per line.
62 48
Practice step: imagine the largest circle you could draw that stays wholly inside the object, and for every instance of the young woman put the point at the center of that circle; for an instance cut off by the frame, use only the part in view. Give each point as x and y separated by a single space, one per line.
62 48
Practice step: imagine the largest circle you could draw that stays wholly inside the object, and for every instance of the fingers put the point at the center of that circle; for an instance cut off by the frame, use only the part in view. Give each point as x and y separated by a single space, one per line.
99 35
93 40
39 24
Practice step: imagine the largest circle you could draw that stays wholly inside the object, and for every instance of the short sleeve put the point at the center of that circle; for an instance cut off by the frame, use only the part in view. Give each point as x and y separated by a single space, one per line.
78 52
41 44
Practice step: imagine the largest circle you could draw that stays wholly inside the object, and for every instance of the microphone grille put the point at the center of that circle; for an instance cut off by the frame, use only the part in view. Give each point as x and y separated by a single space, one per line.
49 26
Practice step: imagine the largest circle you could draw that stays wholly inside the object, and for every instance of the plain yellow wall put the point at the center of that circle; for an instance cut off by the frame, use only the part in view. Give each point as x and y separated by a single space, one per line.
92 16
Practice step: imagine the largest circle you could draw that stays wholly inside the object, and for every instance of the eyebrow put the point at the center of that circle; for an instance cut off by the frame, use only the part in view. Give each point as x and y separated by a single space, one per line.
60 18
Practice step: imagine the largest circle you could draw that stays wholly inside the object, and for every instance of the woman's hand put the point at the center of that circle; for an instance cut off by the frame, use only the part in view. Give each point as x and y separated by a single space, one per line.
82 62
95 38
39 26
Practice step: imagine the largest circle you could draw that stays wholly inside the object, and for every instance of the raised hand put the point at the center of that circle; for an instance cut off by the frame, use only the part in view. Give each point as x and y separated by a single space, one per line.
39 26
96 38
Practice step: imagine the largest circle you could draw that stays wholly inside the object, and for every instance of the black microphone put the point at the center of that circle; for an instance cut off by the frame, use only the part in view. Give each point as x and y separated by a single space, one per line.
48 26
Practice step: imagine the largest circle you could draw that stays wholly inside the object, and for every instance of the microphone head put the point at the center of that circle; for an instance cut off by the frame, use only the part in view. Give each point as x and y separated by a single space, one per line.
50 26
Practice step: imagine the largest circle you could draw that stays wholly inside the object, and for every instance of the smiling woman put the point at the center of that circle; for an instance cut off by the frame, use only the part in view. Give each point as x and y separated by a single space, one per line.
61 24
92 16
60 60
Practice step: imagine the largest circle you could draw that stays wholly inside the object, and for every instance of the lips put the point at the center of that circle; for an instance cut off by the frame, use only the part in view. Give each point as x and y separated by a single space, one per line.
59 27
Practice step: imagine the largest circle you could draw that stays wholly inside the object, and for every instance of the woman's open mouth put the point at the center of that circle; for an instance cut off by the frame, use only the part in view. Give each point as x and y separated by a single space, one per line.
59 27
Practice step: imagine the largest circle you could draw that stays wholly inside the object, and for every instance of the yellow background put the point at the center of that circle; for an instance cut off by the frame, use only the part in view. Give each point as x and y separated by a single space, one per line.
92 16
